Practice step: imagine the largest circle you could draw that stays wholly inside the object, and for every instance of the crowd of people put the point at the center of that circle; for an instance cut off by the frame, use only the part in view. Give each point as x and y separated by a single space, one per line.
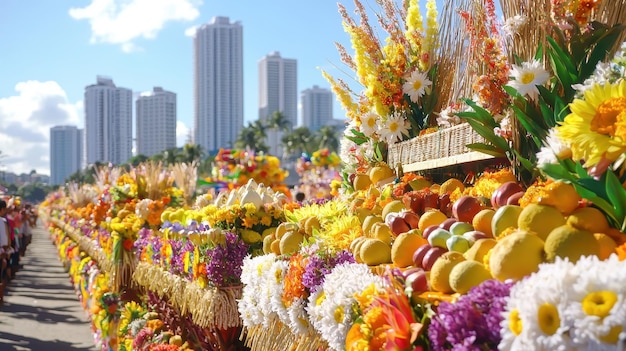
16 223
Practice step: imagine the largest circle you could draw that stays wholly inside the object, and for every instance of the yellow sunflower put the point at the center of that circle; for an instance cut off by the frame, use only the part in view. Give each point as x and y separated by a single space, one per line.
596 127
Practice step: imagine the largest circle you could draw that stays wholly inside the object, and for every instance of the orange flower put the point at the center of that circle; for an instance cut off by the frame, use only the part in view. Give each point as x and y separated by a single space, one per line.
621 252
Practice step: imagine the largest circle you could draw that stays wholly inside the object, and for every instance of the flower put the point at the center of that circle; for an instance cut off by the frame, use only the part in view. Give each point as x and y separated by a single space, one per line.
369 123
554 149
331 308
527 77
416 85
473 320
224 262
394 128
596 128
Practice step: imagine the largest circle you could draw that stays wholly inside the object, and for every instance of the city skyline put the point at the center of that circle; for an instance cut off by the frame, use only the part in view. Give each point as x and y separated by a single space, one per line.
40 82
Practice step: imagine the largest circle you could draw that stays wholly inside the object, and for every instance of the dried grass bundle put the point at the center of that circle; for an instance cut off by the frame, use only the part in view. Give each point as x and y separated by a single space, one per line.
106 175
80 195
152 180
527 25
185 178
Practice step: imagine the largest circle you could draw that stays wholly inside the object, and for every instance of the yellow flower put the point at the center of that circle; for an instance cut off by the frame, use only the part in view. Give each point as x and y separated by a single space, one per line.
599 303
548 318
515 322
596 128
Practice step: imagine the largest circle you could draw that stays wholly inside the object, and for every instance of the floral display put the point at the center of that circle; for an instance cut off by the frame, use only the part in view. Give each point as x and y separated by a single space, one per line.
522 250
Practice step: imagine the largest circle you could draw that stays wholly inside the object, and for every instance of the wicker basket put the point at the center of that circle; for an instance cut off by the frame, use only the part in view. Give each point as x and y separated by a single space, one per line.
441 144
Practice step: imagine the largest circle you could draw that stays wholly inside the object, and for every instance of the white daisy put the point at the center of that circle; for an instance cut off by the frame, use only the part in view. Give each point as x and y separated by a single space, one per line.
369 123
394 127
299 318
447 118
254 307
331 308
527 77
512 25
416 85
276 283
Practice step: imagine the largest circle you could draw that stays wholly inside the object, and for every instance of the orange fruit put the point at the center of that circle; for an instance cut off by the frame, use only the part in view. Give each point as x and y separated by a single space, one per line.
431 217
361 182
607 245
588 218
450 185
561 195
482 221
380 172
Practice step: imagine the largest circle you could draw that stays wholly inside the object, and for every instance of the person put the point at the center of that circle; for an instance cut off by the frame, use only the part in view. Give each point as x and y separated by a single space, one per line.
5 250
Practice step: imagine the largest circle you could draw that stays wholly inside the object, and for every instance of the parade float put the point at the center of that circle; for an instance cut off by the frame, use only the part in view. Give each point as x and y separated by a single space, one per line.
481 203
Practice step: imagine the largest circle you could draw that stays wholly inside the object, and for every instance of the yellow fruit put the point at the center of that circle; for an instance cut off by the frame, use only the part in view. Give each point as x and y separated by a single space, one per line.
480 248
284 228
355 242
381 231
568 242
440 272
362 213
361 182
392 206
290 242
516 256
540 219
267 243
450 185
176 340
468 274
275 246
380 172
561 195
588 218
482 221
505 217
607 245
420 183
269 231
356 251
368 222
310 224
431 217
403 248
374 252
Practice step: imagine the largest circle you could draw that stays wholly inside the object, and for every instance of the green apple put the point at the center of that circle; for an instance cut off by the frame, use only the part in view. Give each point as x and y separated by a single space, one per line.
460 228
438 237
458 243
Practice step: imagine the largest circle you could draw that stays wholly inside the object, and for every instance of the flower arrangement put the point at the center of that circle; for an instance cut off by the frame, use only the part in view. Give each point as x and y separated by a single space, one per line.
581 307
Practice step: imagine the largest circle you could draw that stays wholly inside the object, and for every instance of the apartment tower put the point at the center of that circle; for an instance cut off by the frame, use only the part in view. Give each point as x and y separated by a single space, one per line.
66 153
155 122
278 92
108 122
218 84
317 108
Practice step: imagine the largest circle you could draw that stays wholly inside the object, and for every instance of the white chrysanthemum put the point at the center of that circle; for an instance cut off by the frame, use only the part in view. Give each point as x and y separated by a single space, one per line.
447 118
331 308
254 306
513 25
136 325
394 127
276 282
534 316
597 303
527 77
416 85
369 123
554 149
299 319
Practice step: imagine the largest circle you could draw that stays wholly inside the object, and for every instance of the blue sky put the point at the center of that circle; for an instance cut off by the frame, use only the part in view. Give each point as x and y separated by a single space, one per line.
51 50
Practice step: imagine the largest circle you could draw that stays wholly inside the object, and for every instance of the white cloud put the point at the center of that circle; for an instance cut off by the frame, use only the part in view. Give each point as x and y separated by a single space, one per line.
122 21
191 31
25 122
182 134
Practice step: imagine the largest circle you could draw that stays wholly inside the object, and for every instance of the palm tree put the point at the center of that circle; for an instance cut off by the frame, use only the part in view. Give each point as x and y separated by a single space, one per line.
171 156
277 124
328 138
192 152
252 137
298 141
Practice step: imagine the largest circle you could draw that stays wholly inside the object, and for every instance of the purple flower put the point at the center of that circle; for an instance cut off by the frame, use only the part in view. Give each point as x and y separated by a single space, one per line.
321 264
224 262
473 322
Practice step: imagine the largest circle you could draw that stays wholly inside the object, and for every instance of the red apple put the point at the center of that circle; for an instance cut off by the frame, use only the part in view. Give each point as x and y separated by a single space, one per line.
413 201
410 270
429 230
411 218
466 207
431 200
397 225
444 204
503 192
416 282
514 199
419 253
446 224
431 256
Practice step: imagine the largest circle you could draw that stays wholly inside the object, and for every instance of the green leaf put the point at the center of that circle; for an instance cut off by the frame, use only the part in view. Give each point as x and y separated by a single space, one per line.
539 53
357 140
488 134
536 131
556 171
486 149
600 50
616 196
563 56
530 166
482 114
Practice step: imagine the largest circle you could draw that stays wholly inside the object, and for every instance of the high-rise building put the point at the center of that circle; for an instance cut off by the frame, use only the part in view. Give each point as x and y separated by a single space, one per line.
66 152
317 108
218 84
108 122
156 121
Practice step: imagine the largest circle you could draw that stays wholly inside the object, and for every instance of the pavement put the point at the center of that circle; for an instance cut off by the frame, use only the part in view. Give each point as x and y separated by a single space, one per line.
41 310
